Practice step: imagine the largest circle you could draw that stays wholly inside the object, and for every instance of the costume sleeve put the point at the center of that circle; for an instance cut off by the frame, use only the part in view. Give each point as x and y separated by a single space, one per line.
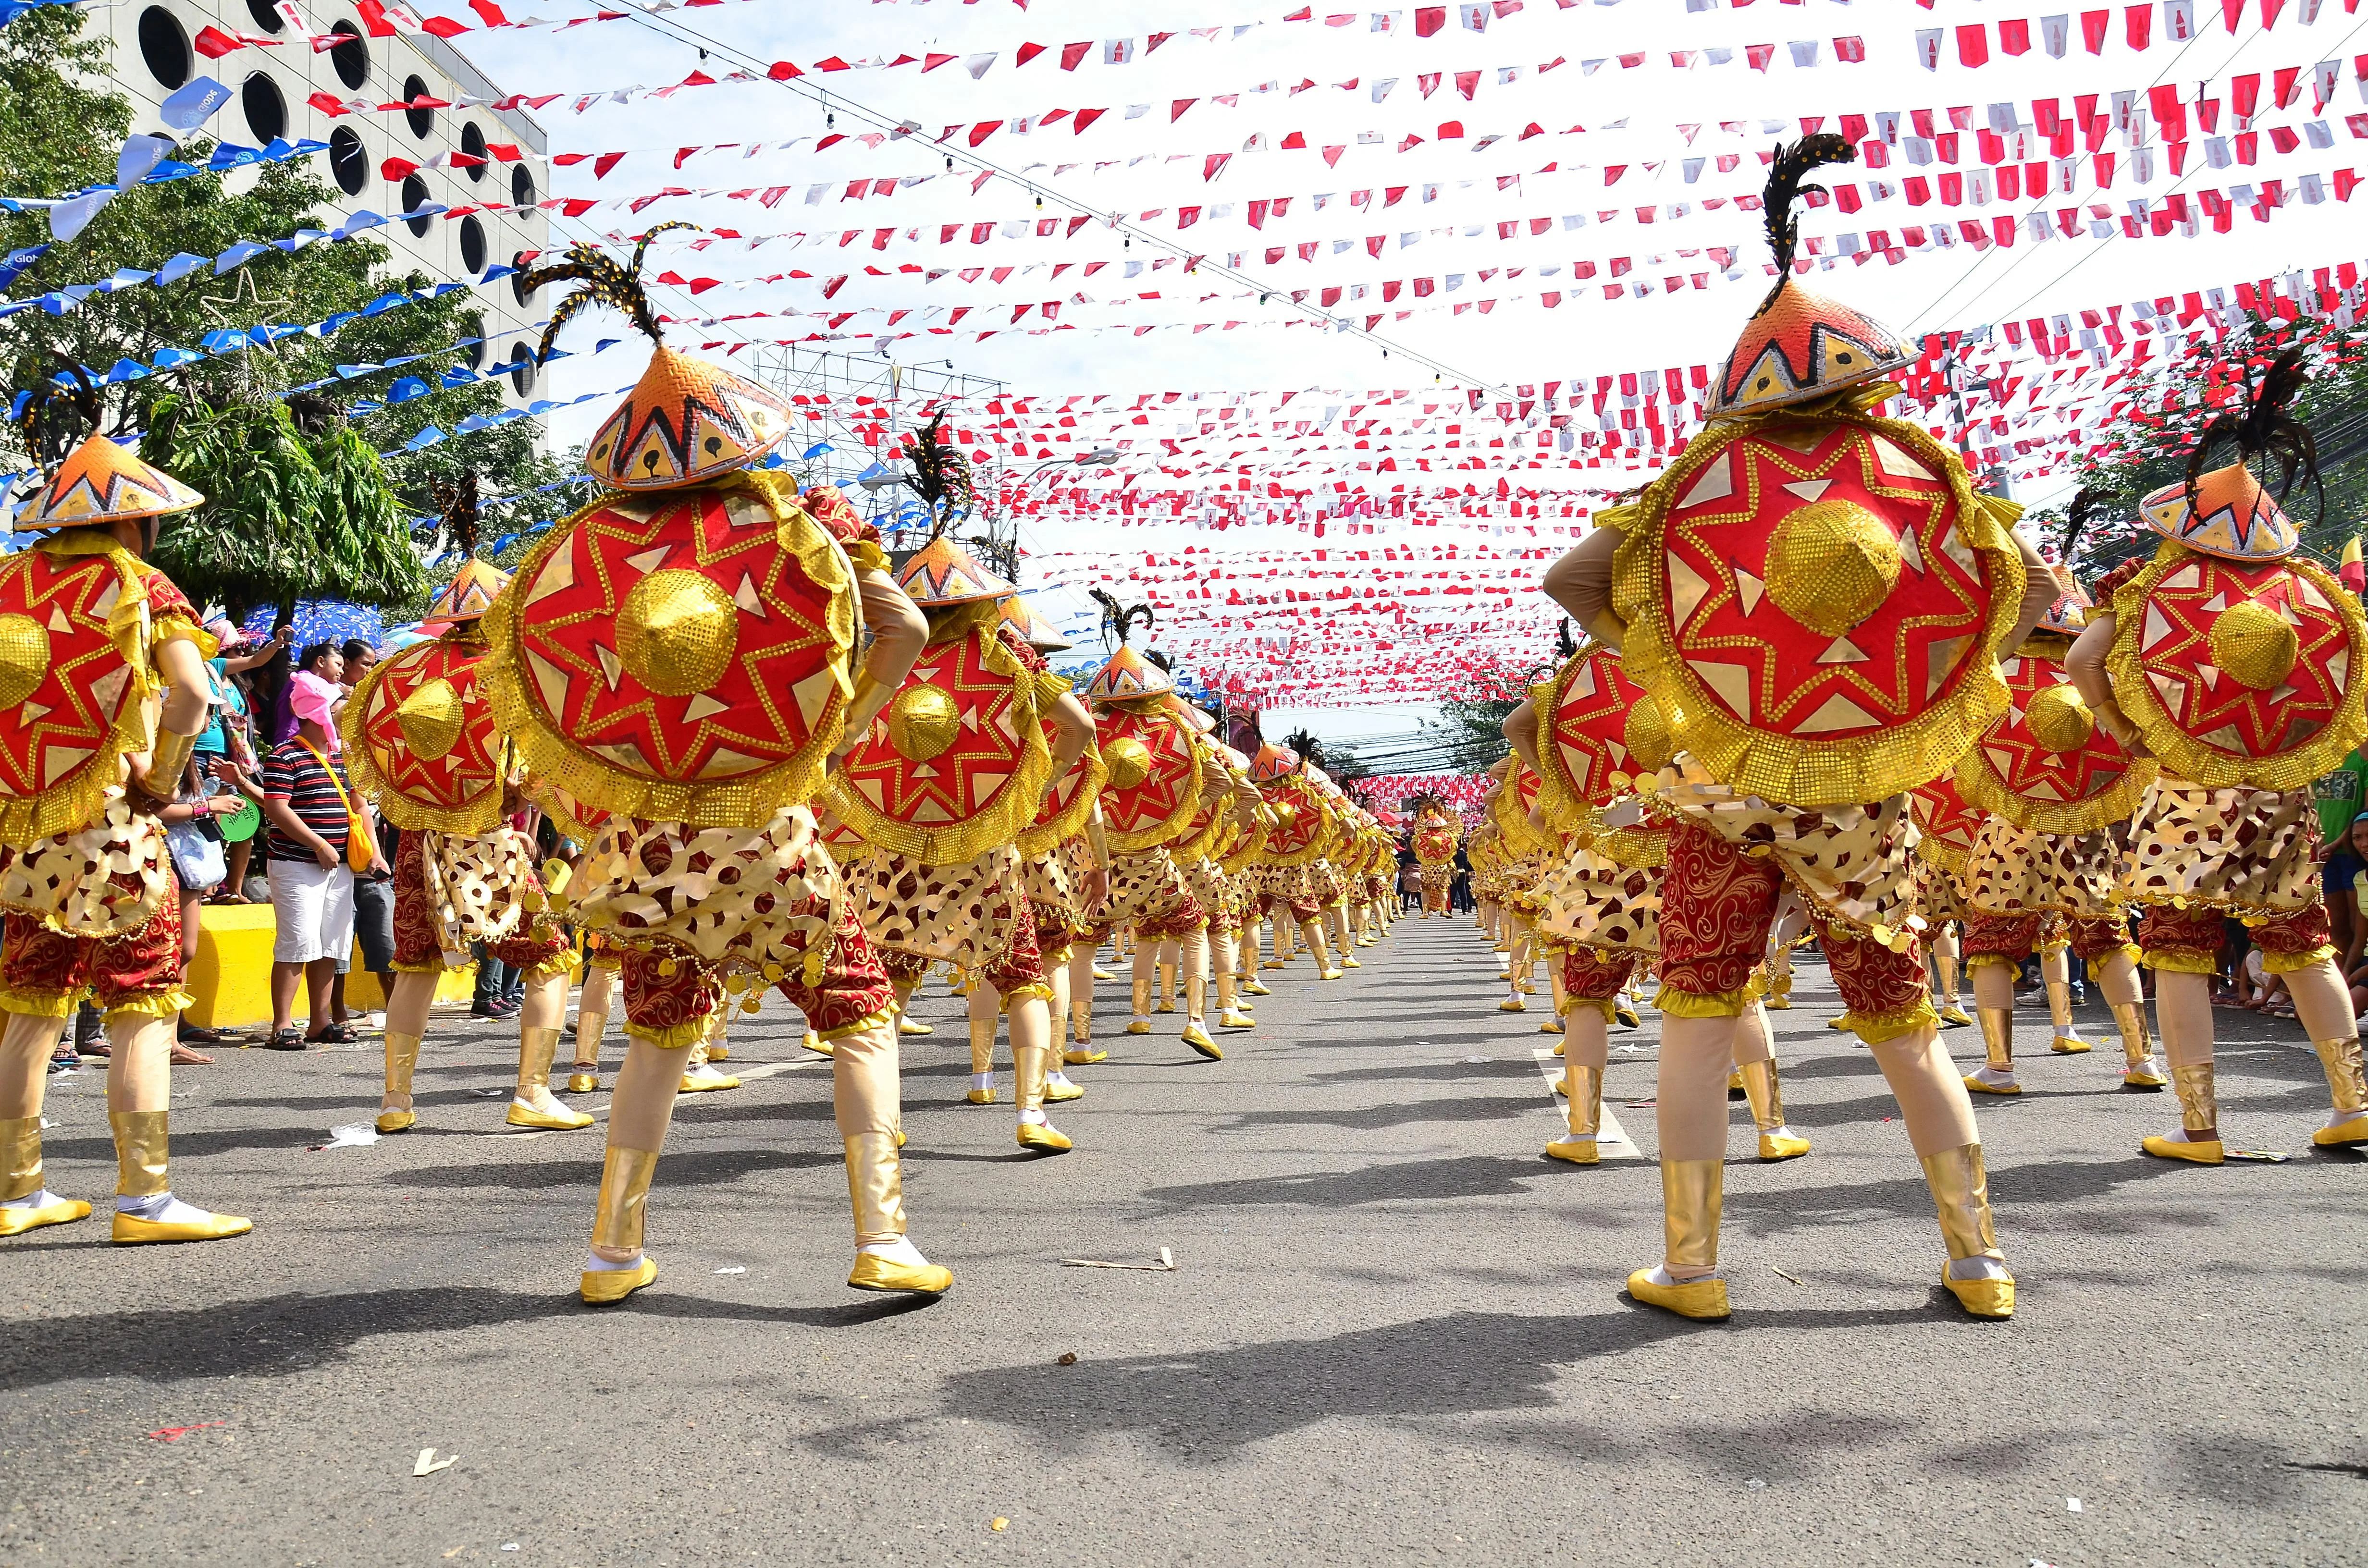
2120 577
828 505
171 617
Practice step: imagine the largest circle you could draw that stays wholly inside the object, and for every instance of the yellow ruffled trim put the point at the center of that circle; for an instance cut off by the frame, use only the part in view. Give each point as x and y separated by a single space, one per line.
362 771
2096 965
673 1036
154 1004
1991 960
1035 989
1675 1004
1014 806
40 1001
1603 1005
1782 767
1949 857
2287 963
1877 1028
749 800
1513 821
436 966
869 1021
2187 757
65 808
2184 961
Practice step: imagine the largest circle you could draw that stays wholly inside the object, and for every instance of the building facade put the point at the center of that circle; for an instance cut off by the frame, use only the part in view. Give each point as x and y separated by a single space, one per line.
271 89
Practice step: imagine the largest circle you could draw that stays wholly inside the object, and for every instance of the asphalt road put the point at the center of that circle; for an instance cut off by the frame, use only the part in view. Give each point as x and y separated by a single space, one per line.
1394 1334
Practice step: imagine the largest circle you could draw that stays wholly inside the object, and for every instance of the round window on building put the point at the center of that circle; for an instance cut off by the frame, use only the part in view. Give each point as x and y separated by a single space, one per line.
267 111
164 46
266 16
415 196
474 354
522 356
522 191
348 161
351 58
473 144
472 245
518 290
421 120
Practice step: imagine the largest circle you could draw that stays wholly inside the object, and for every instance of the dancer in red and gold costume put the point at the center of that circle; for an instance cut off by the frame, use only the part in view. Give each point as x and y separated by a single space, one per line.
1521 854
1437 832
2243 668
423 746
2041 874
1945 827
1281 877
1227 812
938 791
1149 802
102 694
680 655
1814 594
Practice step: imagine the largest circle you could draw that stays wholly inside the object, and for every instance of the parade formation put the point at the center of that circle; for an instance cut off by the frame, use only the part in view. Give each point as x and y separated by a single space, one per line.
1820 689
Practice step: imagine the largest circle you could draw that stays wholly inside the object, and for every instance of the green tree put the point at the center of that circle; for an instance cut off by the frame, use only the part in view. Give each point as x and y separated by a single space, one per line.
58 133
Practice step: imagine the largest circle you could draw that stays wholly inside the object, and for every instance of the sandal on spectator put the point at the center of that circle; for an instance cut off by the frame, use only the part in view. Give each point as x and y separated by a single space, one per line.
335 1034
289 1038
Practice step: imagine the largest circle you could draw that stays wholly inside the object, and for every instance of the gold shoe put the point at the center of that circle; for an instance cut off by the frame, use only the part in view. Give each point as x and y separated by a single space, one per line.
815 1043
1101 974
1329 973
1700 1298
602 1286
872 1272
1562 1084
1981 1298
1164 1008
1512 1004
1198 1038
583 1083
982 1097
1059 1094
1559 1045
1551 1026
717 1052
1252 988
1979 1088
1734 1089
1577 1150
2142 1078
2205 1154
1086 1057
1953 1016
1627 1017
1346 962
2343 1134
566 1121
1841 1023
1139 1026
1271 964
693 1083
397 1120
1774 1146
132 1231
64 1212
2068 1045
913 1026
1044 1138
1778 1003
1236 1020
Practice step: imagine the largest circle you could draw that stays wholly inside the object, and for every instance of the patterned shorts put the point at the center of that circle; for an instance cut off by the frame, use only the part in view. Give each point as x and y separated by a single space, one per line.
44 972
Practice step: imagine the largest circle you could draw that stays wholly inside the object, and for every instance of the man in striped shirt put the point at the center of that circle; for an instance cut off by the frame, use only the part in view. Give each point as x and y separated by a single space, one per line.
311 808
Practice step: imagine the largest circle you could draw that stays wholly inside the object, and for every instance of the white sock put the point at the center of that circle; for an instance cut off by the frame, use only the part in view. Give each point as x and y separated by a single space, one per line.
2180 1134
981 1080
1034 1118
1978 1268
162 1208
2337 1118
595 1264
41 1200
1059 1078
1660 1275
901 1250
1992 1075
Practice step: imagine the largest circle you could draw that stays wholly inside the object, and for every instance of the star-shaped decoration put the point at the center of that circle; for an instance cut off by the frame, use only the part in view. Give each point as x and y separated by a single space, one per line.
2209 704
55 650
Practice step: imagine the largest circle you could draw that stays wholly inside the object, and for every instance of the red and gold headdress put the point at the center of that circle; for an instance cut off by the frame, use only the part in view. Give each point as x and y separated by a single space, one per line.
941 575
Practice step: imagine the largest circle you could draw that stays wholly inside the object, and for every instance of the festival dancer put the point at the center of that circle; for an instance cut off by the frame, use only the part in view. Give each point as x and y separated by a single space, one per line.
1437 832
1280 876
1527 852
1945 826
939 790
681 654
1224 813
1814 595
103 689
2040 876
422 745
1156 763
2239 665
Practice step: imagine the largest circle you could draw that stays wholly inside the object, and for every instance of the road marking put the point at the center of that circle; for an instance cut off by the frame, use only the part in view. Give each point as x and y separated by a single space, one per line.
1612 1140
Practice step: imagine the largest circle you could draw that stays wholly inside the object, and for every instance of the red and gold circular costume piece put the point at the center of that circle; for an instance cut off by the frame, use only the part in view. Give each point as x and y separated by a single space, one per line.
2048 766
1154 778
1945 821
1300 836
421 740
1583 714
1510 812
1814 598
1067 805
957 762
73 681
1436 835
678 657
2241 671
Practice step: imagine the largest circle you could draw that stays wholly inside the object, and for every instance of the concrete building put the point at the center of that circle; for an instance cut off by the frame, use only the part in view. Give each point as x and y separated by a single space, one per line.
270 87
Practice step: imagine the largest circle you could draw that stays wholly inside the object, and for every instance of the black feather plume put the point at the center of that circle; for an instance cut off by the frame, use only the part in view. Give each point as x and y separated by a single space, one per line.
457 502
2264 429
604 279
1785 182
2076 519
1119 619
62 409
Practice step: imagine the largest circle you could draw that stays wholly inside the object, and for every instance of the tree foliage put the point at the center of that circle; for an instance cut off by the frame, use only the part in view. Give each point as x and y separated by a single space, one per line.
340 525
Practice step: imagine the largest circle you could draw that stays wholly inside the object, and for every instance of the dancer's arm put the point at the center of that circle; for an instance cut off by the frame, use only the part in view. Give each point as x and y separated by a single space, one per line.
899 633
1581 583
1522 728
